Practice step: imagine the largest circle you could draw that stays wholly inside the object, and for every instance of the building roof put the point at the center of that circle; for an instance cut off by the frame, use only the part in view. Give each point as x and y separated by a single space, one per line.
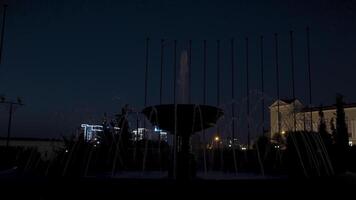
308 109
289 101
329 107
283 102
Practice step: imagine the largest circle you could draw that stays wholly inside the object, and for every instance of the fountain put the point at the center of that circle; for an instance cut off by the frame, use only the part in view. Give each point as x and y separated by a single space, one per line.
183 119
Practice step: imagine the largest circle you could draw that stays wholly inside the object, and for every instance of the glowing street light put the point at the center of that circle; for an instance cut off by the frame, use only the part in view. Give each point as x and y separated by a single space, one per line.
217 138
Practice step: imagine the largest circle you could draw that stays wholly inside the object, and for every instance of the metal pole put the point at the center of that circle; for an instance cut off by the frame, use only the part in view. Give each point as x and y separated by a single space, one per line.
175 142
174 70
9 126
146 71
263 89
248 97
232 91
204 101
161 74
233 105
160 99
277 82
145 104
310 83
204 72
190 71
293 80
218 98
2 32
218 72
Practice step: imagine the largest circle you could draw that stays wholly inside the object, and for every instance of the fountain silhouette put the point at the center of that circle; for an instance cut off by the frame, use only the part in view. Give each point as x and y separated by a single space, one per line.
183 119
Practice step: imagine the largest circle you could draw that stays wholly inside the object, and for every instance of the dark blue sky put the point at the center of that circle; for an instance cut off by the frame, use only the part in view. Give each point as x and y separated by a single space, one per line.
71 61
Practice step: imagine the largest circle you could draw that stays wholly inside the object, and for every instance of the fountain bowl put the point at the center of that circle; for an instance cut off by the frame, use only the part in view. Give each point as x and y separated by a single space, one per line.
190 118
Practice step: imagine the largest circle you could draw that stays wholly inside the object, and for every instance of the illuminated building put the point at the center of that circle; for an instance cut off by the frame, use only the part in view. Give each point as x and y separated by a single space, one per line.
303 117
90 131
149 134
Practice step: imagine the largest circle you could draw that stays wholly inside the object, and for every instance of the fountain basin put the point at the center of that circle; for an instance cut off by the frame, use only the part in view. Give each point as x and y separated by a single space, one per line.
190 118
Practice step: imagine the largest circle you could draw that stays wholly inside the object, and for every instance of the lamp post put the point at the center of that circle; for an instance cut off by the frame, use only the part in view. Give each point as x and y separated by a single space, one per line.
11 103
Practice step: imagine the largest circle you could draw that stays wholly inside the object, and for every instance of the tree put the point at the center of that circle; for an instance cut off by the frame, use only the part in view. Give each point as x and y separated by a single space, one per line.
325 136
123 124
333 129
342 136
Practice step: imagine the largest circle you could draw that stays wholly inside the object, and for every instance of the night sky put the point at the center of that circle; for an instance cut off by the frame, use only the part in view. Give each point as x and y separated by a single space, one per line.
72 61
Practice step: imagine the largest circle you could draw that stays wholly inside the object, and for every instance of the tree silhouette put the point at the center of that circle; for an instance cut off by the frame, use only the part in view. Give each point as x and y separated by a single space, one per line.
333 129
341 137
326 137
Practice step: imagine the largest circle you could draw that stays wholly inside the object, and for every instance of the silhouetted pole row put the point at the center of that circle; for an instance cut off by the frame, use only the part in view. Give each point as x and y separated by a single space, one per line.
293 81
247 96
2 31
218 73
262 88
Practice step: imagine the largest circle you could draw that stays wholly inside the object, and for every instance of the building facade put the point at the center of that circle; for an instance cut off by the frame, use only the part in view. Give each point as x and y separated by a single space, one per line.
308 118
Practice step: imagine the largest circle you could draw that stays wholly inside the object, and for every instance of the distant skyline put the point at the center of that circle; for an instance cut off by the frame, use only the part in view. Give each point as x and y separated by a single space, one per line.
73 61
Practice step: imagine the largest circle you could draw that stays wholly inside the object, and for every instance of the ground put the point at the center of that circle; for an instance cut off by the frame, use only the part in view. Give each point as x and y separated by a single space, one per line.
107 188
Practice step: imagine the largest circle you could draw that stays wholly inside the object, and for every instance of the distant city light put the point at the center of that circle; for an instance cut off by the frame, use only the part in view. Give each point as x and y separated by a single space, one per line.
151 134
66 150
90 131
156 129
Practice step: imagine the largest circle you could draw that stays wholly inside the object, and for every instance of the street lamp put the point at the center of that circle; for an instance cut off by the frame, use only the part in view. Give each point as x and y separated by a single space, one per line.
11 103
217 139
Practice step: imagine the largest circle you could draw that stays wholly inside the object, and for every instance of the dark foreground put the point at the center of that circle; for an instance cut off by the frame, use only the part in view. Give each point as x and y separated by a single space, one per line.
104 188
